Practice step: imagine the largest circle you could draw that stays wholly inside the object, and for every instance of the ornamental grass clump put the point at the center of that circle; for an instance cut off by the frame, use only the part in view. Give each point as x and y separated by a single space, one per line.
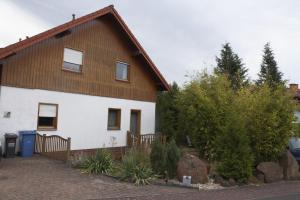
101 163
135 168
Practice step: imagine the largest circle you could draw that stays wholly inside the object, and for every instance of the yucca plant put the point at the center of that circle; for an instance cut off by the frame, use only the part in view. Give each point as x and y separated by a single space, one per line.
101 163
142 175
135 167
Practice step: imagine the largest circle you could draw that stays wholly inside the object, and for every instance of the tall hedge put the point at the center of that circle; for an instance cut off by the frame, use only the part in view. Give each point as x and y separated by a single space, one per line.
167 112
233 151
236 128
204 103
270 117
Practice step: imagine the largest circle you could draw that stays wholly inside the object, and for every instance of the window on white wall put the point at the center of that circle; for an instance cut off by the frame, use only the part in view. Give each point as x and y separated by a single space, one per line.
73 60
47 116
122 71
114 119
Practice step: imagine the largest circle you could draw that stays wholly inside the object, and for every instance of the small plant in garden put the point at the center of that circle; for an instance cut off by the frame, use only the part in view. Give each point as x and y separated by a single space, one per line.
142 175
171 158
157 157
101 163
135 167
164 159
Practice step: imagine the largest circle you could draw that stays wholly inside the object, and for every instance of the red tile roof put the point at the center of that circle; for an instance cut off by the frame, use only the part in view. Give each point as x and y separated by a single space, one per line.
18 46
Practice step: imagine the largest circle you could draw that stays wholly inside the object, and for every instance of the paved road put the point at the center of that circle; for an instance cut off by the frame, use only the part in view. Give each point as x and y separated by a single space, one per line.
208 196
41 178
285 197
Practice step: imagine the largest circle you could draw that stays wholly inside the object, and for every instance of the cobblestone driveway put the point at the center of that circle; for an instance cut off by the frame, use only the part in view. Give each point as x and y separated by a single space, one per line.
41 178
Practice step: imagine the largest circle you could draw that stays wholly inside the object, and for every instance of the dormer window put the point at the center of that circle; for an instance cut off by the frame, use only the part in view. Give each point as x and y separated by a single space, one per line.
122 71
73 60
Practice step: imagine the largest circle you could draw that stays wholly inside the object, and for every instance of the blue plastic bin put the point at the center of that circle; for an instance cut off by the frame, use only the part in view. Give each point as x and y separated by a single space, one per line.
27 141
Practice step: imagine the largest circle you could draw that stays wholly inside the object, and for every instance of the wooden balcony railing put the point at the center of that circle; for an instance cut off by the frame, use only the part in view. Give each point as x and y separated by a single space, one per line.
144 140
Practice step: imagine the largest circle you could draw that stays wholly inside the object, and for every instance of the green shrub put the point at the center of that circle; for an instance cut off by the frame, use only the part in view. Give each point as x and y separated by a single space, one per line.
296 130
235 128
167 112
204 103
164 159
171 158
135 167
157 158
270 115
234 156
102 162
213 113
142 175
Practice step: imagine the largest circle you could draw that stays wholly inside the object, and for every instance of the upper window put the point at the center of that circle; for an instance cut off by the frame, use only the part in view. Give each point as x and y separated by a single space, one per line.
73 60
47 116
114 119
122 71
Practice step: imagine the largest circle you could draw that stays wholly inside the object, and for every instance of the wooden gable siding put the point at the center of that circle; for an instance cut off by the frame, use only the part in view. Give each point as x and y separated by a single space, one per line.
40 66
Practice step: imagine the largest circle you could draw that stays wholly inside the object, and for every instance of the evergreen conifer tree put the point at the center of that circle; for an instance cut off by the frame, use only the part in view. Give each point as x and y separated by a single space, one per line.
167 112
231 65
269 73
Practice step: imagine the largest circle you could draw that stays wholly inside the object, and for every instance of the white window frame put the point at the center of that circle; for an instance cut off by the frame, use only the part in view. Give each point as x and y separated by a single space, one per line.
47 114
128 71
76 59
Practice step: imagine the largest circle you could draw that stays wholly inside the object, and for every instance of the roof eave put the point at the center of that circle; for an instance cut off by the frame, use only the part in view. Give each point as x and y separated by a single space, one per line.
14 48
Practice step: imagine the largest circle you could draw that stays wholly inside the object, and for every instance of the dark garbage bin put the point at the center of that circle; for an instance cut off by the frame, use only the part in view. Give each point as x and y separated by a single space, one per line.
27 141
10 145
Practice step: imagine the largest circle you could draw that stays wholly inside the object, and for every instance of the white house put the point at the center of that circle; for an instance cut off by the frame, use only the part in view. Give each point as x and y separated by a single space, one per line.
88 79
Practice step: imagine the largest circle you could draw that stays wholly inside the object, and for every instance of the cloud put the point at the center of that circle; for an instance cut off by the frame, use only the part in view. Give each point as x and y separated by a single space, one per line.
17 23
181 36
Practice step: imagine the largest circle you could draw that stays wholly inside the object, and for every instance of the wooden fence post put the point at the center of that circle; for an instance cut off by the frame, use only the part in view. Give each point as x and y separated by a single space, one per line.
68 148
44 143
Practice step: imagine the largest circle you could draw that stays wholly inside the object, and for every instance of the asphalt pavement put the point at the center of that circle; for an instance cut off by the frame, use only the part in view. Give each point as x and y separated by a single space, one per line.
285 197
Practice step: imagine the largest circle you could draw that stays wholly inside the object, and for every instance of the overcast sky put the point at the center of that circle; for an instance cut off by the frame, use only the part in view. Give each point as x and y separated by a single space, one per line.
179 36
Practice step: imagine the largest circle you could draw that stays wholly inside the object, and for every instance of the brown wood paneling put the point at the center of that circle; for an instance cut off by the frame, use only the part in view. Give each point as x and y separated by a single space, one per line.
40 66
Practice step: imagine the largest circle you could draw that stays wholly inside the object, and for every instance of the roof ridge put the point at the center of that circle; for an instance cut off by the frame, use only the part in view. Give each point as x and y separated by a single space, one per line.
15 47
57 28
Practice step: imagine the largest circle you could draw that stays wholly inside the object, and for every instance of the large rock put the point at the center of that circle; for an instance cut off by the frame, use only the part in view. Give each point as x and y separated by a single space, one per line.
272 171
290 166
190 165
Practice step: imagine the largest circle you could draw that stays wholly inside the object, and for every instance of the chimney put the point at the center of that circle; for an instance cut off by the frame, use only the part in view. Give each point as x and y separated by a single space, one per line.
294 88
20 39
73 16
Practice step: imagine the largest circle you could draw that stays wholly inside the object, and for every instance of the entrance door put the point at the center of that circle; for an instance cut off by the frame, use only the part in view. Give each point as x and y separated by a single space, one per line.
135 122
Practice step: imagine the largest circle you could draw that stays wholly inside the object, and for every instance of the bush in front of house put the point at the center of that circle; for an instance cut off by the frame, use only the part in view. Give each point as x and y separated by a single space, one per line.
136 168
270 114
167 112
157 158
255 117
171 158
204 105
233 154
164 158
100 163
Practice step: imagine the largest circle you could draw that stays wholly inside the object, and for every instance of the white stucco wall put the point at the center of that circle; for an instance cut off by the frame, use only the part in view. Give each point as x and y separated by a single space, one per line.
81 117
